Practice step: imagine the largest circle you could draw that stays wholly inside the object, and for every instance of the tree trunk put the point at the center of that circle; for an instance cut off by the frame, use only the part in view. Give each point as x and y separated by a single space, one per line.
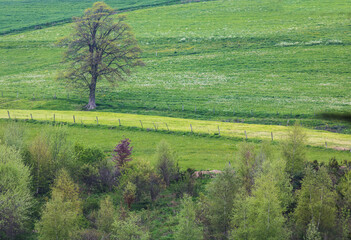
91 105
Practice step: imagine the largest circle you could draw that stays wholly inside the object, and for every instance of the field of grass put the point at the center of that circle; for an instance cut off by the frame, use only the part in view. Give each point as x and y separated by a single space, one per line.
20 15
255 60
157 123
194 151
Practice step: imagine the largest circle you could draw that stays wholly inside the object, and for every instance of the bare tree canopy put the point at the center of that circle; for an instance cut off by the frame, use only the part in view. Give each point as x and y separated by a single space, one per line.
102 46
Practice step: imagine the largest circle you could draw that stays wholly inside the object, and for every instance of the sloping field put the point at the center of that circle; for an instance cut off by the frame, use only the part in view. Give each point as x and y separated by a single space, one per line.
154 123
225 58
24 14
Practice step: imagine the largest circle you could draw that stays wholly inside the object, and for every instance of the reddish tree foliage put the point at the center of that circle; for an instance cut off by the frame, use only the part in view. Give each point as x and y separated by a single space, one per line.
123 152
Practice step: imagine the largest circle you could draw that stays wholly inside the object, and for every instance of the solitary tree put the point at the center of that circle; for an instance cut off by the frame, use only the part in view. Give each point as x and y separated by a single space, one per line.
101 47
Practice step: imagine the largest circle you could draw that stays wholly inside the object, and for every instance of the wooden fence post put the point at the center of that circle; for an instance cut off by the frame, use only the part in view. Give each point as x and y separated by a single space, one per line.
272 135
219 131
119 122
8 113
55 96
191 128
167 127
31 116
326 145
245 135
74 119
155 127
141 123
97 120
54 117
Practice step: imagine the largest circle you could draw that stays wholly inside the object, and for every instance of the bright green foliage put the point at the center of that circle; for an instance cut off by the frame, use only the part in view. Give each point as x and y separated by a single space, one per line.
316 202
128 228
312 232
15 197
276 169
143 175
13 135
221 194
294 151
166 162
187 228
48 153
129 194
265 211
61 216
240 217
345 189
106 215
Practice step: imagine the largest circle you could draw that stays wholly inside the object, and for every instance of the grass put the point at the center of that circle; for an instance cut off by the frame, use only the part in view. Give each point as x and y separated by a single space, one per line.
253 60
20 15
194 151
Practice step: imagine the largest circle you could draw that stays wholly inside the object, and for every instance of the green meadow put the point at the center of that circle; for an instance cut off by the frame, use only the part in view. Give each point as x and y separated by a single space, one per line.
237 63
227 59
200 152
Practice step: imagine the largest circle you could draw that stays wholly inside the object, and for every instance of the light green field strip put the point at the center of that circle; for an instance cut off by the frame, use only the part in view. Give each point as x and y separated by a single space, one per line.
253 131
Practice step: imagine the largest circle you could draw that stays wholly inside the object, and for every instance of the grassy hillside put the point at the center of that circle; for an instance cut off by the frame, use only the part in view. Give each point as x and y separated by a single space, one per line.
228 59
20 15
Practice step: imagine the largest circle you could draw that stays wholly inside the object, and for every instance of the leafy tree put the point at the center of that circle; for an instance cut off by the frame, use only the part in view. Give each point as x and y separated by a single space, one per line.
122 153
62 213
15 197
129 194
145 178
166 162
128 228
13 135
294 152
187 228
247 165
312 232
220 198
100 48
265 211
106 215
316 202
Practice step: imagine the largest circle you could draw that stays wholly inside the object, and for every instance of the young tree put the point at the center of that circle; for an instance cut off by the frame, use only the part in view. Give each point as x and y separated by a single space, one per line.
316 202
100 48
128 228
106 215
15 197
166 162
222 192
187 228
122 153
61 216
294 153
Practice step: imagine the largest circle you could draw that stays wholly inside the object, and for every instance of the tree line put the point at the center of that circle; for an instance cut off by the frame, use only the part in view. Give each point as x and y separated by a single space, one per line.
51 188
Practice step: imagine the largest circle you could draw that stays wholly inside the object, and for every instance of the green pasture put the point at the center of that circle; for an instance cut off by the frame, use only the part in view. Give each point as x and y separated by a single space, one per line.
229 60
19 15
194 151
167 124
